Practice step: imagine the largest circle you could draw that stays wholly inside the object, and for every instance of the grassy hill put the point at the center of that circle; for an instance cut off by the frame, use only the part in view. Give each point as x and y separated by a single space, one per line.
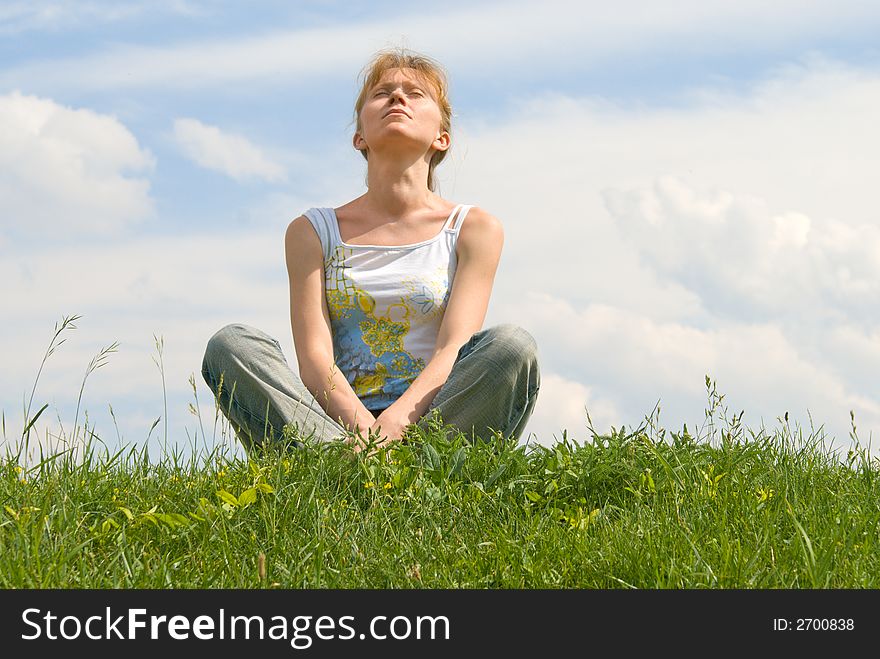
643 508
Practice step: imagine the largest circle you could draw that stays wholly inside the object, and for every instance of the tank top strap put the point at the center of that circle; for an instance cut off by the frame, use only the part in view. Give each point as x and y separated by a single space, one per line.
457 217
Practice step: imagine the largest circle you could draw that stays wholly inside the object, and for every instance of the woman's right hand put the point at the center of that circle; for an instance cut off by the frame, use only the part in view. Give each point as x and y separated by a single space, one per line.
375 440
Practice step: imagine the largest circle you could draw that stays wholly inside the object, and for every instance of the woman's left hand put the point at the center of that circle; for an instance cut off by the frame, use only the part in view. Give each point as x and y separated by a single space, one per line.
389 427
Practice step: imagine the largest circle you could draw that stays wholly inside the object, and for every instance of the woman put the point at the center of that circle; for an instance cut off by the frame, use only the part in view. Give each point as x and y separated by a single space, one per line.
388 294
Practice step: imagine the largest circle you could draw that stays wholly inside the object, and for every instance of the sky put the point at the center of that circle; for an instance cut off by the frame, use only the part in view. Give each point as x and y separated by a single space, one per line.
686 188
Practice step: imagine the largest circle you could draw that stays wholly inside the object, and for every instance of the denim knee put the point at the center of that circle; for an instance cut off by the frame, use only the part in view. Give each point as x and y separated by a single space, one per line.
514 339
224 340
515 352
220 343
225 336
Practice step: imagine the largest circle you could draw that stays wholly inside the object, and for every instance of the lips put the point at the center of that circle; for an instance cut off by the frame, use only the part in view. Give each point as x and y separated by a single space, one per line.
396 112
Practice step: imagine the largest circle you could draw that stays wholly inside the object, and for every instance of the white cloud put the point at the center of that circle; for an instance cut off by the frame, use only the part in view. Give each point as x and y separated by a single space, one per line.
763 174
233 155
54 16
559 33
633 361
563 406
186 300
744 261
66 171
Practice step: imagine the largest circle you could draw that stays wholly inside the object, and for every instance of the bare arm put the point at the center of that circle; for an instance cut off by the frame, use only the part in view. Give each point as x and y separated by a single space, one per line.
479 251
310 323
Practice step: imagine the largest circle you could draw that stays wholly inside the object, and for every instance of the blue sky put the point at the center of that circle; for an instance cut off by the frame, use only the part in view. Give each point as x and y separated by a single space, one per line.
687 189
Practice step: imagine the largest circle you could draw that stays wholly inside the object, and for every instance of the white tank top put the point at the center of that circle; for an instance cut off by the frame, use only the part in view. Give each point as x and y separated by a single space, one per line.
385 304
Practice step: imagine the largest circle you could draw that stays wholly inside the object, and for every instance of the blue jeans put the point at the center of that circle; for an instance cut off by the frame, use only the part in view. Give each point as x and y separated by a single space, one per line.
492 387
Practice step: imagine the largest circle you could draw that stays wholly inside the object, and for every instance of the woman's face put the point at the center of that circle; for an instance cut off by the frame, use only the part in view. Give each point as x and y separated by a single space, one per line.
400 112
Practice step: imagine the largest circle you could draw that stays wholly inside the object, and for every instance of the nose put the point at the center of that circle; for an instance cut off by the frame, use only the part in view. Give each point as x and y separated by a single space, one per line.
397 94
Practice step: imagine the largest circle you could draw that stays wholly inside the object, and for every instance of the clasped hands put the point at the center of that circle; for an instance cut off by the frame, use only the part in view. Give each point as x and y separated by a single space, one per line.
388 427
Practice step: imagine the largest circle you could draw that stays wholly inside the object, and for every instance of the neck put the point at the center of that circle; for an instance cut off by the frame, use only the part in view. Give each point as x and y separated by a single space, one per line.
398 187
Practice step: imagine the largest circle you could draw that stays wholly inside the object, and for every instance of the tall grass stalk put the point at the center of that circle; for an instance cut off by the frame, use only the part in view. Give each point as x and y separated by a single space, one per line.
67 322
97 362
197 410
160 345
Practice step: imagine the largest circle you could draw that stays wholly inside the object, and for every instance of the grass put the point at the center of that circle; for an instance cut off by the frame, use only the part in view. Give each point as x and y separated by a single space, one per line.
638 508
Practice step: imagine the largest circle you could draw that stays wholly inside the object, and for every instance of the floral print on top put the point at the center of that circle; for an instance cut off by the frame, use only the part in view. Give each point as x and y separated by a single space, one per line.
385 304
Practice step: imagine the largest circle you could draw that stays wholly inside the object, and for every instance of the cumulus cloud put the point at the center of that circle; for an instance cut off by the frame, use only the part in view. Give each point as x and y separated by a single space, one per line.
227 153
66 171
744 261
634 361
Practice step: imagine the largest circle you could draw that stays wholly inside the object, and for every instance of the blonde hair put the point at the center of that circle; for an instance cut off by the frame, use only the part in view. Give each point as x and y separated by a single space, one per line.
429 70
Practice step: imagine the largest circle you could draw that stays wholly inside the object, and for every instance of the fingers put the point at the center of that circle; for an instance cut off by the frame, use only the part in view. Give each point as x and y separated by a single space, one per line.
373 443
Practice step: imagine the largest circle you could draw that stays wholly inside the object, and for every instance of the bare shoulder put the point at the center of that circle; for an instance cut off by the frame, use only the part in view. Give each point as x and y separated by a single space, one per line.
481 218
301 232
299 227
301 241
480 230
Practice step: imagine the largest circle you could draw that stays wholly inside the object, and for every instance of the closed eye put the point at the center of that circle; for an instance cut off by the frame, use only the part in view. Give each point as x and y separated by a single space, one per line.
414 92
